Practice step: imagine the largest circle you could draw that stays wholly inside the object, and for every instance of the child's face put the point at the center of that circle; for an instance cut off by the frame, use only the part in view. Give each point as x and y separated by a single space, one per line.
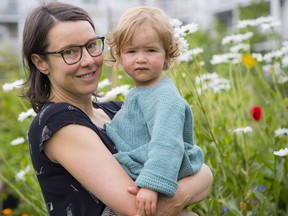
144 57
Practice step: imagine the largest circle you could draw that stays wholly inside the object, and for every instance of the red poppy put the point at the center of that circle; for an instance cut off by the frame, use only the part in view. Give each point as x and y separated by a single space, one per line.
256 113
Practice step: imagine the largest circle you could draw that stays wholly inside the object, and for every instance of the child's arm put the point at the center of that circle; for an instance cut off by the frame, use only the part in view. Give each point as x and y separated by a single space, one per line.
187 193
146 201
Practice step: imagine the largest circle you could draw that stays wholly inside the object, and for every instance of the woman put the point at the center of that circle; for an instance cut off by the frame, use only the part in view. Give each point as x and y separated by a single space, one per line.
70 152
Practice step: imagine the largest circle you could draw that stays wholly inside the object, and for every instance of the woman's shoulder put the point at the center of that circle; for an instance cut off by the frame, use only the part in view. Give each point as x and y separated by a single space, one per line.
56 114
56 107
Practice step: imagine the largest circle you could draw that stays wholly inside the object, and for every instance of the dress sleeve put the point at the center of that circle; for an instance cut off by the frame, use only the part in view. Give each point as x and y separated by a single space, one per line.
57 115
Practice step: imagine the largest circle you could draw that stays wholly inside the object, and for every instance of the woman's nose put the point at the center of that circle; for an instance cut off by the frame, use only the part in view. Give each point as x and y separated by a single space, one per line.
86 57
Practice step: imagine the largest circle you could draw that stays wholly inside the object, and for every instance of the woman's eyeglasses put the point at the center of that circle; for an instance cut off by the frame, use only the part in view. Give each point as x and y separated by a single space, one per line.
73 54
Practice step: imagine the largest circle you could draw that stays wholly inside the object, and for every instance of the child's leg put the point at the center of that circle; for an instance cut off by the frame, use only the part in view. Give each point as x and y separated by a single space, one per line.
198 185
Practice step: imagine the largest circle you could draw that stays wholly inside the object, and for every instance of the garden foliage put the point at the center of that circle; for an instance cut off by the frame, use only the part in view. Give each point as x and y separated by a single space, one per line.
239 96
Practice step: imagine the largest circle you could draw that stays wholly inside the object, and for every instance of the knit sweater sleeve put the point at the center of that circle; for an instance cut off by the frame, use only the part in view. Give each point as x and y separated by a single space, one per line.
164 112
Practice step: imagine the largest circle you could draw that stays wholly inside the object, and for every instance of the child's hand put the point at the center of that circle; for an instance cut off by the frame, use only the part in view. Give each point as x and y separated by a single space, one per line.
146 201
133 189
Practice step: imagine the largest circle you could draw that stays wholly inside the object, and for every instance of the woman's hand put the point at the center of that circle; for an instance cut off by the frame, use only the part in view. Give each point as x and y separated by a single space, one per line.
191 189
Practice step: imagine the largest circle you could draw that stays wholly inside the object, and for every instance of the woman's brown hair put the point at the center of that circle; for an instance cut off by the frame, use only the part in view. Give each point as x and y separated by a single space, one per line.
38 23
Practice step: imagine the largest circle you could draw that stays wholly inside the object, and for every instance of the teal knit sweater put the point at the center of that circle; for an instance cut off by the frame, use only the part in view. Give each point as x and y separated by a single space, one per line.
153 132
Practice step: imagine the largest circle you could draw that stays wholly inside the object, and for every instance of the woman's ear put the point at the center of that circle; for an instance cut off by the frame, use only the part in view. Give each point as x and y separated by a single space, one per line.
40 63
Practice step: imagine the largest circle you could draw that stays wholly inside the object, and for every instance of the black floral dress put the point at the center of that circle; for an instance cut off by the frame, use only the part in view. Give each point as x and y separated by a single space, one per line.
63 194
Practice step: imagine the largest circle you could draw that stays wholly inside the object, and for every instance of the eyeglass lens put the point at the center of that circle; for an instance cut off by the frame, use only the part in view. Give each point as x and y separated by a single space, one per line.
73 54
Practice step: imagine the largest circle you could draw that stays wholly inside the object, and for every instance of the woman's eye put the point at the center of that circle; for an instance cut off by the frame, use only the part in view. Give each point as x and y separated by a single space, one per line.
71 51
91 45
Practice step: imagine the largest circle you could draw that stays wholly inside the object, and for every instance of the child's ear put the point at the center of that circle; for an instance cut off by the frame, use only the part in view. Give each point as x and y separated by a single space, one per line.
40 63
166 63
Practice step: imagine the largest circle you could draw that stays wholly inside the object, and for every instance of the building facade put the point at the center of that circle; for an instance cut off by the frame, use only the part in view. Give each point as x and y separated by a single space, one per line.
106 13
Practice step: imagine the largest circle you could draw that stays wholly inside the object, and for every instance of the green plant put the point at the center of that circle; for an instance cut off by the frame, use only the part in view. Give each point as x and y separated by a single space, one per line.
248 178
239 101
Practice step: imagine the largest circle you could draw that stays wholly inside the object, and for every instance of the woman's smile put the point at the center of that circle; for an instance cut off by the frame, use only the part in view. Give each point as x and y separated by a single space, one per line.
87 76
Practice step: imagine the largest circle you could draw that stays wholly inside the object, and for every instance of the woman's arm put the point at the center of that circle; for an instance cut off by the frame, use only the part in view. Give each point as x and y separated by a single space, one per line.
82 153
191 189
89 161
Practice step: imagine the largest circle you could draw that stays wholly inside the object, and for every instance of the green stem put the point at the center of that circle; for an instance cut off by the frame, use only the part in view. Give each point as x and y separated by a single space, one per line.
276 198
35 207
202 108
246 158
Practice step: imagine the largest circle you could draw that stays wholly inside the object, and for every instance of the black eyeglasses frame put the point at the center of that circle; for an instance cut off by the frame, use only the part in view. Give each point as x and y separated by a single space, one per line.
102 38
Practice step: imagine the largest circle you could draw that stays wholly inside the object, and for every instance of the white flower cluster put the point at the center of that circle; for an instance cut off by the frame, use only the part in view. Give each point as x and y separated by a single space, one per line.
237 38
180 32
237 46
114 92
17 141
279 133
231 57
276 69
20 176
275 61
22 116
276 54
240 47
10 86
285 61
104 83
257 56
263 22
243 130
211 81
281 152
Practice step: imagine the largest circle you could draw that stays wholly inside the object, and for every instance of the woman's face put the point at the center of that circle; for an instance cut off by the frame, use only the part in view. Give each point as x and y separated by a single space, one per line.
77 81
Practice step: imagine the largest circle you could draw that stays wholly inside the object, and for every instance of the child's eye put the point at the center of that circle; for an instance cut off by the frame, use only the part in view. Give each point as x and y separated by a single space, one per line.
130 51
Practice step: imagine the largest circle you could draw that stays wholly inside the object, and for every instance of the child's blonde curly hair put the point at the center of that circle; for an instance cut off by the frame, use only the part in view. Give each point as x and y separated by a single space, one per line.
129 23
